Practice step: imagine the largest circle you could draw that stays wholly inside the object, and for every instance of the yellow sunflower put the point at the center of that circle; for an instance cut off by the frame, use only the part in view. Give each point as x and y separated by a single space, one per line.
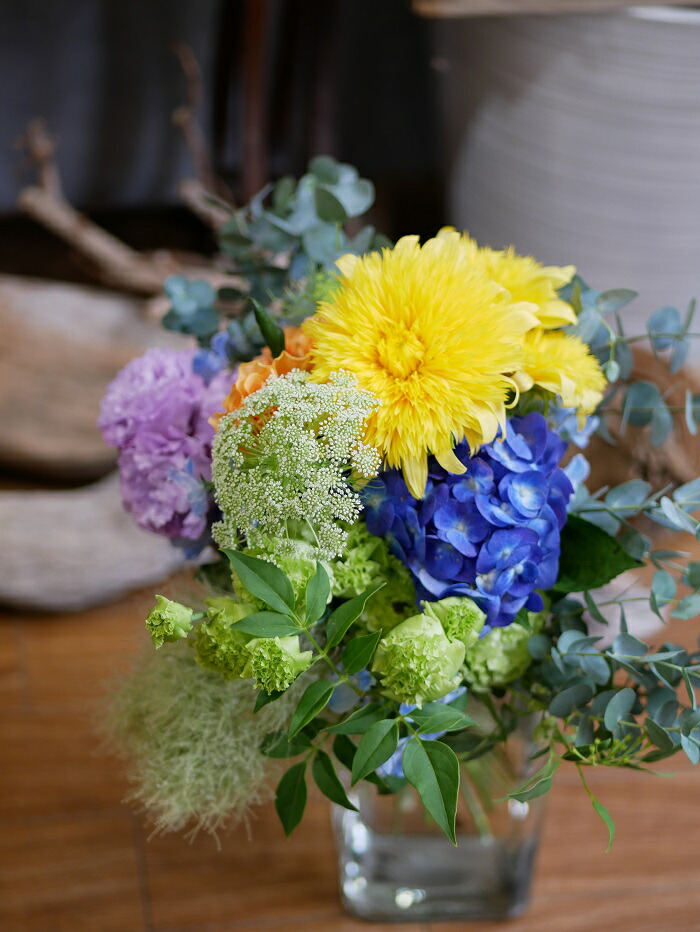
563 365
427 332
526 280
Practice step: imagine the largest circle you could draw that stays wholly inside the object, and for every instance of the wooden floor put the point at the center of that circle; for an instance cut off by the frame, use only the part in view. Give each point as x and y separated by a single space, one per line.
73 857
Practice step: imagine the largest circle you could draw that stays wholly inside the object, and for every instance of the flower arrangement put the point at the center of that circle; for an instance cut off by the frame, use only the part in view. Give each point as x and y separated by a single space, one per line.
379 466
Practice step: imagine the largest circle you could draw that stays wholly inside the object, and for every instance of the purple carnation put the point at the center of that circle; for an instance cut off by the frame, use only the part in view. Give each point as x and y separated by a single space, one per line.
156 412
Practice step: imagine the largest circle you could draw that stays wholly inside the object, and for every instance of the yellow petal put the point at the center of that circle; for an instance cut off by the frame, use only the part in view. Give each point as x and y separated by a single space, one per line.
559 275
415 473
448 461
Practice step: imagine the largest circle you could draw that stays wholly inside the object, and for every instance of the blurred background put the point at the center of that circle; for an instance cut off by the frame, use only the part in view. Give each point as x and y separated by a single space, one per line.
570 128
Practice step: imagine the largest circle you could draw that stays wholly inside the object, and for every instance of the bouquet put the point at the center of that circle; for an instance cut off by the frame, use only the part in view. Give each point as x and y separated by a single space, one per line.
374 455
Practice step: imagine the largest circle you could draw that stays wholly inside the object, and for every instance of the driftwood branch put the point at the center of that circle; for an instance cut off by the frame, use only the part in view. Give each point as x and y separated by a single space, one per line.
117 264
208 207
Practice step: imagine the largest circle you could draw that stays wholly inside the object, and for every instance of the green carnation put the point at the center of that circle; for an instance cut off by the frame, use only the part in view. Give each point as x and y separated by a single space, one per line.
502 655
365 561
168 621
277 662
417 661
220 647
461 618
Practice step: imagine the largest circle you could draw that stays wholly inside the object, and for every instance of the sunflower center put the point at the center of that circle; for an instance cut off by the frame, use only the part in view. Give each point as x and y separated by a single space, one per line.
400 352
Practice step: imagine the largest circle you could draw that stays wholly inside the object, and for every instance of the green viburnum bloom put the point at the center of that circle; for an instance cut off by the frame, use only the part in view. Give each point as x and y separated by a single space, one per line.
417 662
220 647
461 618
277 662
501 656
168 621
365 561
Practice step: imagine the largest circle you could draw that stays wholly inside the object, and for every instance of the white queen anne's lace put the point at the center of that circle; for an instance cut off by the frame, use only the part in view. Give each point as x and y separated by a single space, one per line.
289 457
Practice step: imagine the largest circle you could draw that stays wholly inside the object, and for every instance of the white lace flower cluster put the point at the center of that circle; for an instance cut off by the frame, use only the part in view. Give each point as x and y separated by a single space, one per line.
288 458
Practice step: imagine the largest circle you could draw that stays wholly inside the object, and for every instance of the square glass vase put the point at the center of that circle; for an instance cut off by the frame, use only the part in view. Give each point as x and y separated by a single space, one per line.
395 864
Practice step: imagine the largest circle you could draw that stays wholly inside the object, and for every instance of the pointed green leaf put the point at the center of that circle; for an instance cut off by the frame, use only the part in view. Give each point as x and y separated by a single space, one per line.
432 768
590 557
264 581
344 750
346 614
327 781
290 798
278 745
272 334
264 699
360 651
435 717
378 744
538 784
314 699
317 591
606 817
360 720
266 625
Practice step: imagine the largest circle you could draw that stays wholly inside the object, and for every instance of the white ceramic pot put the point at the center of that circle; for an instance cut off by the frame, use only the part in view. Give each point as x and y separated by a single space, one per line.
577 138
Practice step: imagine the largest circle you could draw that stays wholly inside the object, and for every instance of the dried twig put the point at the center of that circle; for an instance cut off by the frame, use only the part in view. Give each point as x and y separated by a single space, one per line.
202 193
185 116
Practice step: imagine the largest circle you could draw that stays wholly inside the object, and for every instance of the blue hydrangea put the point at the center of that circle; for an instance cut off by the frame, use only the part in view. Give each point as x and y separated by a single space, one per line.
492 534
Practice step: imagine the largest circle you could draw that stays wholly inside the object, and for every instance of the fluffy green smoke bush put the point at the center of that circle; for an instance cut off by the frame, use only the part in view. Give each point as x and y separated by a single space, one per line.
192 741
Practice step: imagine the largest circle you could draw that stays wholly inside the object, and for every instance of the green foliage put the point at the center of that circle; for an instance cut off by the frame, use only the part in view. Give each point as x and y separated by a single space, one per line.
264 580
359 652
538 784
272 334
290 798
192 309
432 768
589 557
346 614
376 746
314 699
327 780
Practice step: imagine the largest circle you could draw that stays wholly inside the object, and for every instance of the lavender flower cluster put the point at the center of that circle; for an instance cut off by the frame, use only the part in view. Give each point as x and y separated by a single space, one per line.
155 412
492 534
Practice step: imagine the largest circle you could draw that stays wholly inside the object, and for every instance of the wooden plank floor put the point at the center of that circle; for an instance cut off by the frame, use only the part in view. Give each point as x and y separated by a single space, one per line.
73 857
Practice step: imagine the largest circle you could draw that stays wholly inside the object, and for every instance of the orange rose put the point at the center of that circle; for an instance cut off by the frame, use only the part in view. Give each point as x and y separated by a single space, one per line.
253 375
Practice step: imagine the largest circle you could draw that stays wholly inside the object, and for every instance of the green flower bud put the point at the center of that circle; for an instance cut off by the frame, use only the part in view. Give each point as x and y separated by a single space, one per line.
231 609
168 621
461 618
277 662
220 647
417 662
